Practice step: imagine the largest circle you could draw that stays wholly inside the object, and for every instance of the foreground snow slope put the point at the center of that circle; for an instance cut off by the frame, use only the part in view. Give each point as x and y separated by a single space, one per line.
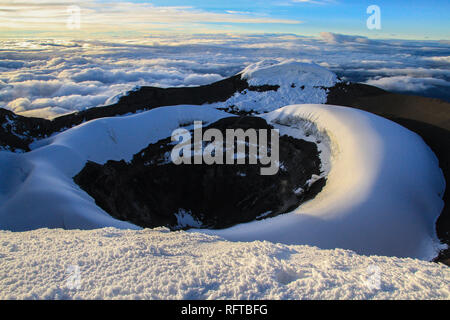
382 196
157 264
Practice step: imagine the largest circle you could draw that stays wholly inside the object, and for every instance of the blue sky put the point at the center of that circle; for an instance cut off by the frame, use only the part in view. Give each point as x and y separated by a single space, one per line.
400 18
406 19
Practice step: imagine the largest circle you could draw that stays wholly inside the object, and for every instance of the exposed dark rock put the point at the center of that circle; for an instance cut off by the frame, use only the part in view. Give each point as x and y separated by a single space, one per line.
17 132
150 190
233 110
264 88
343 94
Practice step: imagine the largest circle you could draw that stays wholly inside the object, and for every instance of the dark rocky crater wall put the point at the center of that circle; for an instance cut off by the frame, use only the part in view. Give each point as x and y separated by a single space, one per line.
151 191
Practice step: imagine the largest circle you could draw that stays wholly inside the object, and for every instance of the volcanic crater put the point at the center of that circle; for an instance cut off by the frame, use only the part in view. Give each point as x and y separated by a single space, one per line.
151 191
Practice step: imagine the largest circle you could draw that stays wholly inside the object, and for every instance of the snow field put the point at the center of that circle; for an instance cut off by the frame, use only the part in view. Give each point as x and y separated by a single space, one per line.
157 264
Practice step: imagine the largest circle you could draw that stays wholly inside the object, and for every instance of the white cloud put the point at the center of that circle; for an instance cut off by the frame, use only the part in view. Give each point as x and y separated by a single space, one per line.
19 104
407 83
199 79
444 59
11 64
335 38
48 112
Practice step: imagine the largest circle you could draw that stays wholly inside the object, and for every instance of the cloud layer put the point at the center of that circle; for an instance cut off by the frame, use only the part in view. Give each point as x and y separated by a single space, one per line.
51 77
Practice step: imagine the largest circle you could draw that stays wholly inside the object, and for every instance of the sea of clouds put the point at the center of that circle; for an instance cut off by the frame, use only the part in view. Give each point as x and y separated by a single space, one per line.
47 78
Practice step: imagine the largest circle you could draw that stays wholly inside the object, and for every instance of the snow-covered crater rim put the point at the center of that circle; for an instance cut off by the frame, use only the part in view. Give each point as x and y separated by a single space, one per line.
370 188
